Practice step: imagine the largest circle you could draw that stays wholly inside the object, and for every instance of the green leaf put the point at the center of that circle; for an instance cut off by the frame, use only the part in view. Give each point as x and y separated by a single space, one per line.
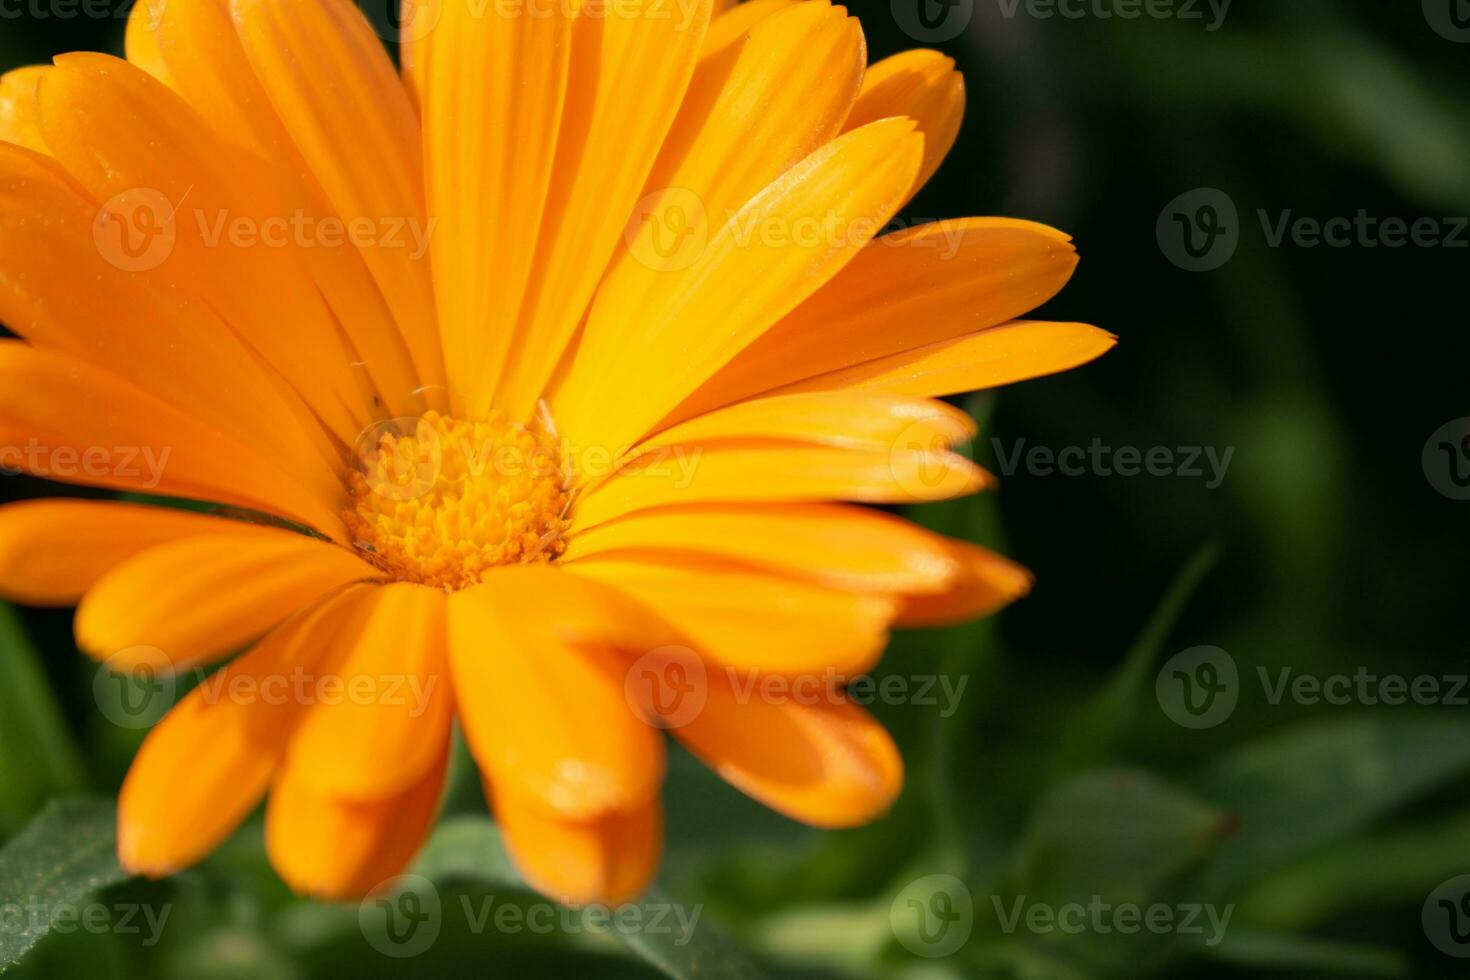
66 854
1293 793
677 940
1262 951
38 759
1094 735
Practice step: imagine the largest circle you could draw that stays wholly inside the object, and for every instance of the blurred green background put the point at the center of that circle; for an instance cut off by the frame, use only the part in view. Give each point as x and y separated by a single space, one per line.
1061 776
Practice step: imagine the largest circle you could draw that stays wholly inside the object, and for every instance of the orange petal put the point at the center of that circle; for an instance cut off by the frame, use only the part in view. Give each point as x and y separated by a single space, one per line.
778 473
196 599
837 546
389 727
851 420
365 153
752 620
541 696
140 43
643 354
923 86
906 290
609 860
824 762
1003 355
336 849
987 583
18 108
52 551
607 146
204 767
66 420
735 21
492 104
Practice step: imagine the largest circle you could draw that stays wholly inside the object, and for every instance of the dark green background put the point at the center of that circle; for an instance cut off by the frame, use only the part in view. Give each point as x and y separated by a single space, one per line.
1326 369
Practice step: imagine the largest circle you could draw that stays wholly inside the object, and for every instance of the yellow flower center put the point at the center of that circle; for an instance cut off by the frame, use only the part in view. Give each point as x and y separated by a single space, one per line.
441 501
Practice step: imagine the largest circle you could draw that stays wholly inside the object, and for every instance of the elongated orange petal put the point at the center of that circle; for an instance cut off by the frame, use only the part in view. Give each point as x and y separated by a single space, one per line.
140 43
18 108
389 728
196 599
205 766
641 358
607 146
52 551
1012 352
519 645
853 420
987 583
752 620
365 152
838 546
778 473
492 104
735 21
206 205
802 751
608 860
338 849
923 86
905 290
66 420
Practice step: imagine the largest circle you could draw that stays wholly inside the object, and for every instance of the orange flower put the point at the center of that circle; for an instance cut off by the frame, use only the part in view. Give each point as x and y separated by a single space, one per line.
548 371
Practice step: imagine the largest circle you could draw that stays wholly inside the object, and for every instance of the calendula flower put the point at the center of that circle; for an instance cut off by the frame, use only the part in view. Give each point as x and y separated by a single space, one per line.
538 386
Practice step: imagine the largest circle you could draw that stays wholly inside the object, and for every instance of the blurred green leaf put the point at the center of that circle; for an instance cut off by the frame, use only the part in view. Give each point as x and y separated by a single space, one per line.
1262 951
67 853
1292 793
38 759
1094 735
682 946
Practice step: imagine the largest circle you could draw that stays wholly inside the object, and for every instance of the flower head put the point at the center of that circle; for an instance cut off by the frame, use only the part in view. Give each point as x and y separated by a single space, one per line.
538 387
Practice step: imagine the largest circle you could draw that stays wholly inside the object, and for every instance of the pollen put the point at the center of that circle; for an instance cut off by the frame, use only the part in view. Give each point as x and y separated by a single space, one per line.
441 501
